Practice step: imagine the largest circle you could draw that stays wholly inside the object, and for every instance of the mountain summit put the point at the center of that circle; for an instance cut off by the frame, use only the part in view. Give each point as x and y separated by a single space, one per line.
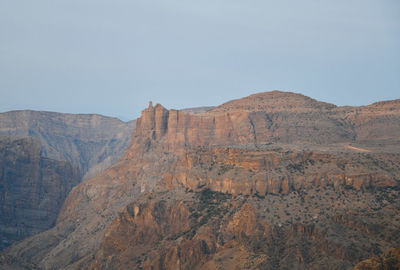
273 101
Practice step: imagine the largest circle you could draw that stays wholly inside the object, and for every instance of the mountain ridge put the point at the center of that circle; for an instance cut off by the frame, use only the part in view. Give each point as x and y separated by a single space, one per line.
271 100
90 141
246 189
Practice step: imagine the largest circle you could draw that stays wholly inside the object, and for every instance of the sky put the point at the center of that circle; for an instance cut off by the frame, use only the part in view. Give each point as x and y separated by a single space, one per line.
112 57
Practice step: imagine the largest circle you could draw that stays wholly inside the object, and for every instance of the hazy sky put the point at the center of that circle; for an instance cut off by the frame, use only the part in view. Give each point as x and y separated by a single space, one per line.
112 57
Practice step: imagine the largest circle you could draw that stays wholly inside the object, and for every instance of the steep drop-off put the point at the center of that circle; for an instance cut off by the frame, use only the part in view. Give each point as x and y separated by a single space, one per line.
32 188
91 142
273 181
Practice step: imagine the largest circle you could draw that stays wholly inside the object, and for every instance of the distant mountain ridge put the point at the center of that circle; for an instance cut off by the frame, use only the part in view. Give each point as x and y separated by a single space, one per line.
90 141
51 152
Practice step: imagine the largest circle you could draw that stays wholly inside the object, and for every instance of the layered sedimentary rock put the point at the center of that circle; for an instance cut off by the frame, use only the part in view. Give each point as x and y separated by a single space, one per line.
279 169
273 181
91 142
66 147
32 188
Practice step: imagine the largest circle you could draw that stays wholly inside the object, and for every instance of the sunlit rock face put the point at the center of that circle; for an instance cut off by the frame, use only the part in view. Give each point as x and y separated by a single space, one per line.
272 181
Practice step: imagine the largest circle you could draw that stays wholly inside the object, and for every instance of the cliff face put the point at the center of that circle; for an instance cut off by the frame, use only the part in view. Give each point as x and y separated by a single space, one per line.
33 183
273 181
32 188
238 127
378 121
271 117
281 169
91 142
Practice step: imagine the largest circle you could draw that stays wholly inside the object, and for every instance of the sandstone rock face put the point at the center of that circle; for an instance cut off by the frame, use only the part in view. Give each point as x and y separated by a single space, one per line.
32 188
279 170
91 142
378 121
273 181
241 127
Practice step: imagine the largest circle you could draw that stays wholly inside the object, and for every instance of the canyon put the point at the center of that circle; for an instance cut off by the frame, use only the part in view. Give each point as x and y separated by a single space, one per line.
32 188
45 154
92 142
275 180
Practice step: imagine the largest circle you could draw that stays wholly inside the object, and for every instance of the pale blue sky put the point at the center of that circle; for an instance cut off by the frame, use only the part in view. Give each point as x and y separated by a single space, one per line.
112 57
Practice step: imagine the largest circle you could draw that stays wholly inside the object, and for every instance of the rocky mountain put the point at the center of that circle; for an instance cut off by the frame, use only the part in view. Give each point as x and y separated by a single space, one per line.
37 174
32 188
272 181
90 141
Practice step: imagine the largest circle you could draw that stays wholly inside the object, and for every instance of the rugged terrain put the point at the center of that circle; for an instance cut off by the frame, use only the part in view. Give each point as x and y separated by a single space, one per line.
91 142
32 188
37 175
272 181
389 260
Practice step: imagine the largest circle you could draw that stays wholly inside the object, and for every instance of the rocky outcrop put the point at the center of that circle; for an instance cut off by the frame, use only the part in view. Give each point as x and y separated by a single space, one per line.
91 142
178 129
267 169
32 188
273 181
389 260
378 121
287 118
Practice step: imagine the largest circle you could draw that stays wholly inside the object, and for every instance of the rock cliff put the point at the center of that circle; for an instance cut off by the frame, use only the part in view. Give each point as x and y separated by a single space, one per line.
91 142
280 169
273 181
32 188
